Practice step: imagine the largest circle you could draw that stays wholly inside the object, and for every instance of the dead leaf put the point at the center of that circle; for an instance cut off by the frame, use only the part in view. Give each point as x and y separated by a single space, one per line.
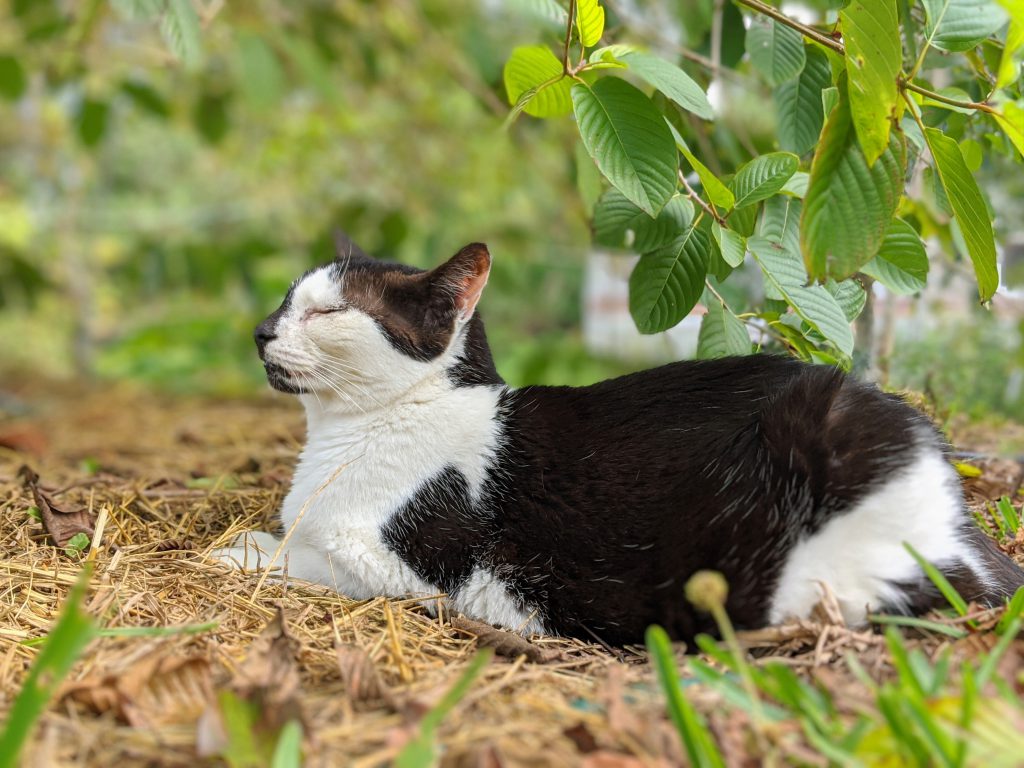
61 524
156 690
24 439
358 672
267 678
581 736
998 478
503 642
607 759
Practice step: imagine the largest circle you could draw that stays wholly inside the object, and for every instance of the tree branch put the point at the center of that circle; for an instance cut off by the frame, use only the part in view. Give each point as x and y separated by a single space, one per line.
906 85
566 66
808 32
692 194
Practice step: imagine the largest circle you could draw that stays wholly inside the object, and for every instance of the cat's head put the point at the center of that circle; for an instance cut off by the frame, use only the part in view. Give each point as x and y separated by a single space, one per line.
360 333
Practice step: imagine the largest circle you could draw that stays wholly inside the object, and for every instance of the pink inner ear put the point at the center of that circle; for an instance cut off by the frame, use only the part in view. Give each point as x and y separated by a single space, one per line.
471 284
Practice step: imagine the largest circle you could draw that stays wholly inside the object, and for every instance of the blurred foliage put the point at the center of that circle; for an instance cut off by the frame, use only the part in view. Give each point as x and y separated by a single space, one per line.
157 197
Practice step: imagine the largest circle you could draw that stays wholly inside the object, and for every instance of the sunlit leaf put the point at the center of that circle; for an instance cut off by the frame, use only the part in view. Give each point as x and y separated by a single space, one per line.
628 138
1013 50
732 245
874 56
589 21
533 71
1012 122
716 191
968 208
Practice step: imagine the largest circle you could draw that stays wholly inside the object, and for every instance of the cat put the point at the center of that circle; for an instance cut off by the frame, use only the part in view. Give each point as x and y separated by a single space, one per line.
582 511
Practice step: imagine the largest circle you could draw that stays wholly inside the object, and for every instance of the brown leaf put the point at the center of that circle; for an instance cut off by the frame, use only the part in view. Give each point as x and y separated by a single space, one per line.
155 690
581 736
503 642
26 439
61 524
358 672
607 759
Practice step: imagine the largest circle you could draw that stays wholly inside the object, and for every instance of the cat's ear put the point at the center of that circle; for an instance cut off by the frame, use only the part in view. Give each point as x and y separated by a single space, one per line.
346 250
462 278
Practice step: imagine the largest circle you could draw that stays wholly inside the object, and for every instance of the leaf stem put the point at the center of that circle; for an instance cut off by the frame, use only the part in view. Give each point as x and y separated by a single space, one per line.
906 85
692 194
806 31
567 68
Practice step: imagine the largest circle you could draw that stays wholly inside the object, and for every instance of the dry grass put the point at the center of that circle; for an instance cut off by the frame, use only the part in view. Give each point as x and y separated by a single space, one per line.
174 478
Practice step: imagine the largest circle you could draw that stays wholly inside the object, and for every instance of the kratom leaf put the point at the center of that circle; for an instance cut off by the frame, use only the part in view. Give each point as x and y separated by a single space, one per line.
589 22
721 333
671 81
146 98
776 249
798 104
138 9
533 72
628 138
968 208
873 61
545 10
93 116
797 184
180 30
1010 62
849 295
618 223
732 245
716 191
1012 122
959 25
776 51
762 177
901 264
849 203
666 283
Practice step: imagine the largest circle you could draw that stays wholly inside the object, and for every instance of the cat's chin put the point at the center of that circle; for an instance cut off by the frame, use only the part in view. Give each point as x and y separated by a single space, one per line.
278 378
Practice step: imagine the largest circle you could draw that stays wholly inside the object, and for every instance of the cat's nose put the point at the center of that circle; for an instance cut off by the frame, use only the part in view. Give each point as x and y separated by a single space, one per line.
264 334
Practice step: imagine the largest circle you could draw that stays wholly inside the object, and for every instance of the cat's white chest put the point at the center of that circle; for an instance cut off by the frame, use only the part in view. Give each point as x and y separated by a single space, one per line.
356 473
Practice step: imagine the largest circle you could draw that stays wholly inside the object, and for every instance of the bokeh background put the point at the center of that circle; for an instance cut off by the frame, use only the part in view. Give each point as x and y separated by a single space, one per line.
152 210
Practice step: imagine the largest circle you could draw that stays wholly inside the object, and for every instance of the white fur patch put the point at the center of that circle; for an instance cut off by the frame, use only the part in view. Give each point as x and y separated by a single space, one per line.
483 595
860 553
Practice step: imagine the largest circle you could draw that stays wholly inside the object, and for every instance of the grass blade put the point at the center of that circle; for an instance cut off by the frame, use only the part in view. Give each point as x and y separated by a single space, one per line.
1013 611
65 642
941 582
918 623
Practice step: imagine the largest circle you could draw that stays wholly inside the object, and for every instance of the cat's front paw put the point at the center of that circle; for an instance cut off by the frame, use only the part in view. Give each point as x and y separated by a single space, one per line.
251 551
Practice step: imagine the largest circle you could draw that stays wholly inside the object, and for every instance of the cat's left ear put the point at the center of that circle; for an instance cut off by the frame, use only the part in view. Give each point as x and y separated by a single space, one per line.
463 277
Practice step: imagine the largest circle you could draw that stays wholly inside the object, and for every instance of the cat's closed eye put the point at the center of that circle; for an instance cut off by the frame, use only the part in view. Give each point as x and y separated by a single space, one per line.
321 311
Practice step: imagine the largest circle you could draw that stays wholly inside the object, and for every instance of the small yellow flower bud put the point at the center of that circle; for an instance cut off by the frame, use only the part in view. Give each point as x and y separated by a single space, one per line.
707 590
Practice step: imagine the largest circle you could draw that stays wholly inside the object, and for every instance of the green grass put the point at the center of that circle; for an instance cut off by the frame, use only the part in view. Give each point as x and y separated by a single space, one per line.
73 631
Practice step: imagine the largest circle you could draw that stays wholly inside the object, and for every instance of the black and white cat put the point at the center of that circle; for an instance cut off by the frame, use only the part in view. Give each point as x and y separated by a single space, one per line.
583 511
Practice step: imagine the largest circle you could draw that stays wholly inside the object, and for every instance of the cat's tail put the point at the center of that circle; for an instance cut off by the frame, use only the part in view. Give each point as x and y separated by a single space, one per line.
998 577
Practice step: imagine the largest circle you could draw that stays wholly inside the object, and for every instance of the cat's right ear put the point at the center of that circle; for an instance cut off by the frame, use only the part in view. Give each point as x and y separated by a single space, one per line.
462 278
345 250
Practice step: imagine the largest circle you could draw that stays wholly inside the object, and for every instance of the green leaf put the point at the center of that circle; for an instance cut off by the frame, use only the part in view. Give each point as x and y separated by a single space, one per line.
12 78
762 177
589 22
180 29
959 25
829 99
533 73
65 642
902 262
849 295
618 223
93 117
1009 63
849 203
776 51
145 97
260 77
717 192
629 140
776 249
798 104
1012 123
138 9
288 750
797 184
968 208
666 283
210 116
873 61
732 244
671 81
722 334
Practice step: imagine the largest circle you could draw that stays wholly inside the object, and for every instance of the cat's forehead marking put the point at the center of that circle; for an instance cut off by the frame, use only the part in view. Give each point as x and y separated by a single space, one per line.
319 287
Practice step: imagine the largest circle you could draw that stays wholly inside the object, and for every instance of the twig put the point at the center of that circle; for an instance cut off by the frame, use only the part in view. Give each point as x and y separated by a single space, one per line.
692 194
806 31
906 85
566 67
